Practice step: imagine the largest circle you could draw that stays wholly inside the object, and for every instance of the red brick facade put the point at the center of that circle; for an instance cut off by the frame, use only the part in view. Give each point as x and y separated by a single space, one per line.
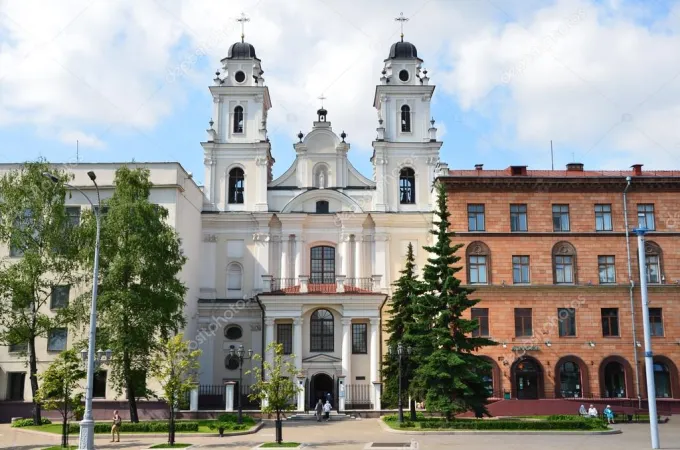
602 366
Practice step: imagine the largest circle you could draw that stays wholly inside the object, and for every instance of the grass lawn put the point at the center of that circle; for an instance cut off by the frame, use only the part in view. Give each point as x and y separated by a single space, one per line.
58 447
203 427
175 445
281 445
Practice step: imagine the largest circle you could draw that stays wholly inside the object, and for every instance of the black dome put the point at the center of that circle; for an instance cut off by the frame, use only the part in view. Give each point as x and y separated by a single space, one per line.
241 50
403 50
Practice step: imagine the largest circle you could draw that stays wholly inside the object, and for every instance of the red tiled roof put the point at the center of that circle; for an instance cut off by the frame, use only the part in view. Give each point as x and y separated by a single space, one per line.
562 173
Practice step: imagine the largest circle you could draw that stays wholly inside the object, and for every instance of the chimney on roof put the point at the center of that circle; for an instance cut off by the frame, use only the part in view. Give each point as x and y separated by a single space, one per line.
479 166
637 169
575 167
518 170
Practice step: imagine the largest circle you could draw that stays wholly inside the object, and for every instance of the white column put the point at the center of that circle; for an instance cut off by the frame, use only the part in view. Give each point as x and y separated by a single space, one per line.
342 394
229 406
377 396
301 394
268 339
382 257
285 266
297 251
375 350
358 256
262 254
347 348
206 340
345 256
193 399
297 341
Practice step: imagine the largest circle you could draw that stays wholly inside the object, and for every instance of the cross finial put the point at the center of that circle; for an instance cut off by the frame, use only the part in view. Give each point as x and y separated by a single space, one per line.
402 19
243 19
322 98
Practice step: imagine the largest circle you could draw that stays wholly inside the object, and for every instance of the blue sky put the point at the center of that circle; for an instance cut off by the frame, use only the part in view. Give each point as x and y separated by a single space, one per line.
130 79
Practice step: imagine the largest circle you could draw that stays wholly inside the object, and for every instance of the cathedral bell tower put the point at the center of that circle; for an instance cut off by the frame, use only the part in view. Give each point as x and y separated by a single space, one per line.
406 150
237 153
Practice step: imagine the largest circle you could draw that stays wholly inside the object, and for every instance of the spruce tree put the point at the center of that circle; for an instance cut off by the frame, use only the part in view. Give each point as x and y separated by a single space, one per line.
401 328
450 373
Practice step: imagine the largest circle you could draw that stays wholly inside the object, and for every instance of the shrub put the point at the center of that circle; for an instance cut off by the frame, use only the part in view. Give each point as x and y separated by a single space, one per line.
141 427
407 416
471 424
20 423
228 426
233 418
565 417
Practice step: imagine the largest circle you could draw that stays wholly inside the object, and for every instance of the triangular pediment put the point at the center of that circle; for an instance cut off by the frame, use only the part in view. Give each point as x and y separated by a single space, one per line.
322 358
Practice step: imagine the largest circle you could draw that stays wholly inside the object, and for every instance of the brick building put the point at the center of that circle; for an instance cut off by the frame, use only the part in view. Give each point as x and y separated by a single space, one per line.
546 252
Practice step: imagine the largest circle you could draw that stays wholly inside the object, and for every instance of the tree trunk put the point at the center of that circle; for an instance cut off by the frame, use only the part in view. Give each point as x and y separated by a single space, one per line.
64 430
130 388
413 409
33 370
171 429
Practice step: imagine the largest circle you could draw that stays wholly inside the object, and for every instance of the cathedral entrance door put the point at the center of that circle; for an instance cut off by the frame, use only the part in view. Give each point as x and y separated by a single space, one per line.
320 387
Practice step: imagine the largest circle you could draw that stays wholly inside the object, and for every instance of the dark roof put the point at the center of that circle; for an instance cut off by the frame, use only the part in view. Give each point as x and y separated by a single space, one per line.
403 50
241 50
563 173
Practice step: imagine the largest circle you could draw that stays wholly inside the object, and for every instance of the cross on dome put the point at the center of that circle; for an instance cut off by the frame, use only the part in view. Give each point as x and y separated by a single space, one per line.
322 98
401 19
243 19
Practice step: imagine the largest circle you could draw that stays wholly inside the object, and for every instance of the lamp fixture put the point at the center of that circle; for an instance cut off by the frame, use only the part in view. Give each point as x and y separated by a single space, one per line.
505 344
548 343
591 343
638 343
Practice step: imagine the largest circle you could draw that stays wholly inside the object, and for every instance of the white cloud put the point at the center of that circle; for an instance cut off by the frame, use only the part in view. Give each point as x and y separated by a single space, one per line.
82 139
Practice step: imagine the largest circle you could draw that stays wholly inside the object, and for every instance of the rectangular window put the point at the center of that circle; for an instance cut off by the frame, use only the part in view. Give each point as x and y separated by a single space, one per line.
518 217
477 267
99 384
18 242
359 338
523 322
646 216
475 217
520 270
56 340
607 269
566 318
139 383
653 269
564 269
610 322
481 315
655 322
560 216
59 297
15 385
603 217
18 348
284 336
73 214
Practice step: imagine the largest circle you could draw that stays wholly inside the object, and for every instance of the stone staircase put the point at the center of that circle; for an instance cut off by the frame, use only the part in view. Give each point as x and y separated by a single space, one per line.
334 416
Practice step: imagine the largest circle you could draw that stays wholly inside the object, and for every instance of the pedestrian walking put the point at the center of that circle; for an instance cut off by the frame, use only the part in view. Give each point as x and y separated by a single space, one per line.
318 410
327 410
115 427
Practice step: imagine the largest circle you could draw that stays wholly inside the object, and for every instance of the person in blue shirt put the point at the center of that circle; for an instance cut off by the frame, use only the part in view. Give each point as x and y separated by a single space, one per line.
609 414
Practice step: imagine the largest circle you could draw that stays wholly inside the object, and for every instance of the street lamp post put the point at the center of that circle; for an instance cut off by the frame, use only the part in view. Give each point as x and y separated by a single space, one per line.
649 356
401 353
240 354
86 440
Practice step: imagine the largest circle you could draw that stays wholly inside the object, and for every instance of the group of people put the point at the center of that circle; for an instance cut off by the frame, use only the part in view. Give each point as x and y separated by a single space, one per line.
323 408
592 412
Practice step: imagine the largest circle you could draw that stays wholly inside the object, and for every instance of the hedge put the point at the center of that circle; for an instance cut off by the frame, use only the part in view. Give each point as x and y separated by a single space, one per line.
20 423
141 427
233 418
470 424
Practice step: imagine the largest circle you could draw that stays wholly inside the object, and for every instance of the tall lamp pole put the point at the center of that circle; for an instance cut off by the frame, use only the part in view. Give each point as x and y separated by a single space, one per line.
86 440
402 352
240 354
649 356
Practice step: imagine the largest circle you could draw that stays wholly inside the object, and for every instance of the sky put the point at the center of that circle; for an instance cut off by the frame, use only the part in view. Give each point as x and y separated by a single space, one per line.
128 79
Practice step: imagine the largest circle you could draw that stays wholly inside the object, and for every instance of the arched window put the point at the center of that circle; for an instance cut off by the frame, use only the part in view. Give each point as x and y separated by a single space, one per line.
407 186
322 207
321 331
322 265
405 119
614 380
234 279
570 380
238 119
236 185
653 262
478 258
564 263
662 380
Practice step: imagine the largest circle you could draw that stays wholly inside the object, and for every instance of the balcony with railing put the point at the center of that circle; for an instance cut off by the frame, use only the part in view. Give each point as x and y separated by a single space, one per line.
337 284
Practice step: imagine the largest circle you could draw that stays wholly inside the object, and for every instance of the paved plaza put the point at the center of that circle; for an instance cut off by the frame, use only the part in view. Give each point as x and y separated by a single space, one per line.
356 434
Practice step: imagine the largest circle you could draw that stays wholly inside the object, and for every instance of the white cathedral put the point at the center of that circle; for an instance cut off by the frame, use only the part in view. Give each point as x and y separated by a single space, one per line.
307 259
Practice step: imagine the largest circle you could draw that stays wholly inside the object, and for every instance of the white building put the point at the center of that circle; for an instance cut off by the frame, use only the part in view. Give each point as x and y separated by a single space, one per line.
307 259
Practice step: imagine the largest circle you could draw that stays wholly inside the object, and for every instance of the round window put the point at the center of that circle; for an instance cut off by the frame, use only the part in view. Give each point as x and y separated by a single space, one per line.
231 362
233 332
240 77
403 75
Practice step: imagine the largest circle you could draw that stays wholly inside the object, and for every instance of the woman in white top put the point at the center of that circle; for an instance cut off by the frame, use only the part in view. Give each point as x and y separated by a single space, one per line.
327 410
592 412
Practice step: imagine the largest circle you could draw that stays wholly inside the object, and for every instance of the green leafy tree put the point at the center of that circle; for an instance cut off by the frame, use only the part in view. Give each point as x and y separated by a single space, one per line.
43 244
275 387
140 295
402 328
175 366
60 382
450 373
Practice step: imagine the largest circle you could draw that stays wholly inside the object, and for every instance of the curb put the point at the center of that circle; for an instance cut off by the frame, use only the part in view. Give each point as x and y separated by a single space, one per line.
257 447
389 429
252 430
185 448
